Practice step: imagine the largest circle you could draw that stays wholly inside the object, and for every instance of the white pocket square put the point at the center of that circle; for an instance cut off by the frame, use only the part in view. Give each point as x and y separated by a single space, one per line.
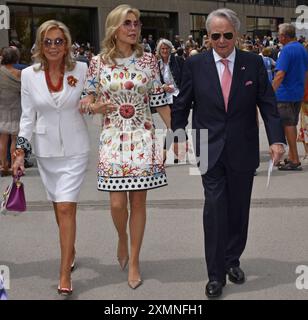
248 83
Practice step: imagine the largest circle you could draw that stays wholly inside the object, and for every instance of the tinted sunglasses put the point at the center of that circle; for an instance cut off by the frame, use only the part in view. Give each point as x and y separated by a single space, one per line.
227 35
58 42
128 24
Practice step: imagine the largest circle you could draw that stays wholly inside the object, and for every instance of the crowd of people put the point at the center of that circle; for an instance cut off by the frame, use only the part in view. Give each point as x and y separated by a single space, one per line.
125 83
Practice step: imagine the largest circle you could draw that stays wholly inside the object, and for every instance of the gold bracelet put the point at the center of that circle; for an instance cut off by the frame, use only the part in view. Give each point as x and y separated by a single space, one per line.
91 110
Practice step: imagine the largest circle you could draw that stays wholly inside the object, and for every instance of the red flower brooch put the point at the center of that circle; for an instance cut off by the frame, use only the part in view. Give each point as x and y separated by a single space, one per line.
72 81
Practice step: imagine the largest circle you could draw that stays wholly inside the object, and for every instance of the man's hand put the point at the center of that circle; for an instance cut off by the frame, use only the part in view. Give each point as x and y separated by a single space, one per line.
276 152
180 150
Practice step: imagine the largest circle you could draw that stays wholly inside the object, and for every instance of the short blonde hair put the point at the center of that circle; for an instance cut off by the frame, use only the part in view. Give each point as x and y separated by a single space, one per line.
114 20
38 54
266 51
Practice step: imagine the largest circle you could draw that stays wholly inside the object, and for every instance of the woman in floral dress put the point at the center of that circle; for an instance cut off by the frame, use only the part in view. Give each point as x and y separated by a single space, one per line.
124 83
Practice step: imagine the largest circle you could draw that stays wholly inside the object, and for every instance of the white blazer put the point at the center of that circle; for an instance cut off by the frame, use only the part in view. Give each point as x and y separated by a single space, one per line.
57 130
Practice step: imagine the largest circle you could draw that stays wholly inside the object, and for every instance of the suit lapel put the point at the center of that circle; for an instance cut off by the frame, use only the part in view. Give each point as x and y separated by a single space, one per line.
211 71
67 89
238 72
40 86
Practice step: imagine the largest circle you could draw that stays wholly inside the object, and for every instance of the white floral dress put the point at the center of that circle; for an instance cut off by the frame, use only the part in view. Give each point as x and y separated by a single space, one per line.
130 151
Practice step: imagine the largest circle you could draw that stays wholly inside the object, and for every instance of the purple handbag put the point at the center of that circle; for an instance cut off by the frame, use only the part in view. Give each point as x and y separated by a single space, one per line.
14 197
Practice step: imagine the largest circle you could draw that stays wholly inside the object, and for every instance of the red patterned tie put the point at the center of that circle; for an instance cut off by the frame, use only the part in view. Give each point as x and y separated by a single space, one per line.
226 80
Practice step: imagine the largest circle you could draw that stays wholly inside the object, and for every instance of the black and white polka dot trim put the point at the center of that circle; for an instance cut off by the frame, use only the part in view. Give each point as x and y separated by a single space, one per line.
158 100
131 183
23 143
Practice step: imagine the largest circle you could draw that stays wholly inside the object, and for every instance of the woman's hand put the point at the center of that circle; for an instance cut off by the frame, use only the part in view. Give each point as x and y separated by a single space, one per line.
87 106
102 107
84 104
168 88
19 162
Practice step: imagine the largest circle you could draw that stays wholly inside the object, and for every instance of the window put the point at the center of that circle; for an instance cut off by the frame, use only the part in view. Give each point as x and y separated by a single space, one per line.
25 20
197 27
159 24
262 26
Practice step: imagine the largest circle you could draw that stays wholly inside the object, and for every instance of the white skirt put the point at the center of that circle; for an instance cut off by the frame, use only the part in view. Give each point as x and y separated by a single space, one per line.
63 176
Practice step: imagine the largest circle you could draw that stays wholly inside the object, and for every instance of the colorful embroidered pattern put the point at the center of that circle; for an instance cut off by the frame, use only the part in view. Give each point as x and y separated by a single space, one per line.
130 154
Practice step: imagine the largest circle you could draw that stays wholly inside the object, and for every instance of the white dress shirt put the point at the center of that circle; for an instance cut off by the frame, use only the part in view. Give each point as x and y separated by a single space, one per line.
220 66
168 79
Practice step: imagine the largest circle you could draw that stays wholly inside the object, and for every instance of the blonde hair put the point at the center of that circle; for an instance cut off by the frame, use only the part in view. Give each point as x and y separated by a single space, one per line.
114 20
38 53
266 51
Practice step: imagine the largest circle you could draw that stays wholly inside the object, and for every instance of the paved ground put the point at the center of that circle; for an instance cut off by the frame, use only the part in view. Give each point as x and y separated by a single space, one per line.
172 260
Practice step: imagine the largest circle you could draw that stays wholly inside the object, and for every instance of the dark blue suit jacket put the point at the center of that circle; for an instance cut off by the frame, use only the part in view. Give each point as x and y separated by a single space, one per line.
236 130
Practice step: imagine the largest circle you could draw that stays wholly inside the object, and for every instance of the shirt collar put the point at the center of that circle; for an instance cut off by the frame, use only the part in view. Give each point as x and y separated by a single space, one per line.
230 58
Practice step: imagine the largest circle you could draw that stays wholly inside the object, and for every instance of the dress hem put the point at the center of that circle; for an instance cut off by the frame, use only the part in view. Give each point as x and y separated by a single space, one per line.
125 190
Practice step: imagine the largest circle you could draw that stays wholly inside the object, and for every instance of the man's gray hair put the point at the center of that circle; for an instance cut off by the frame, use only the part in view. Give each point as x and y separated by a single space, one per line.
10 55
228 14
287 29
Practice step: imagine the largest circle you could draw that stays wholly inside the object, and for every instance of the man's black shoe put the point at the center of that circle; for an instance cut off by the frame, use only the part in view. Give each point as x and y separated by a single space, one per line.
236 275
213 289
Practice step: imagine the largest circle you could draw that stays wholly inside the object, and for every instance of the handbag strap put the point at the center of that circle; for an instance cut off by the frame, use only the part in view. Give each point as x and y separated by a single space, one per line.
160 74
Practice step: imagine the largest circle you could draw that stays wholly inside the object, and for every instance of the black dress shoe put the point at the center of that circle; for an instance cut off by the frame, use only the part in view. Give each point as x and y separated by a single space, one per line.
213 289
236 275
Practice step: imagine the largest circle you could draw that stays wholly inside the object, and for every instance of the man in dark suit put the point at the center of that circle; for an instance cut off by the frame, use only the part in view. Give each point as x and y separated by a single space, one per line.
226 85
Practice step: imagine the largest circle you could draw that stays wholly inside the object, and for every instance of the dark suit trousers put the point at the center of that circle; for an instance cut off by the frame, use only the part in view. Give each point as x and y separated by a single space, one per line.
225 216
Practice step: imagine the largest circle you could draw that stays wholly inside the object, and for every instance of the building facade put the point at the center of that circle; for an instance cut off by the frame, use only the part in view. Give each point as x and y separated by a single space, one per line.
160 18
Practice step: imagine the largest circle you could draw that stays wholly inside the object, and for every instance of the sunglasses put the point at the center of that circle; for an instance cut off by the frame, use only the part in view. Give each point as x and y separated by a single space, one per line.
227 35
128 24
58 42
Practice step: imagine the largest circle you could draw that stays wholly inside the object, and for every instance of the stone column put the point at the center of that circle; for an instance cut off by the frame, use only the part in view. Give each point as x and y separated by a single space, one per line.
4 24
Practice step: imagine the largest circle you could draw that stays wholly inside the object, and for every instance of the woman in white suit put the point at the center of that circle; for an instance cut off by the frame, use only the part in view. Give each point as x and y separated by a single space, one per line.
50 93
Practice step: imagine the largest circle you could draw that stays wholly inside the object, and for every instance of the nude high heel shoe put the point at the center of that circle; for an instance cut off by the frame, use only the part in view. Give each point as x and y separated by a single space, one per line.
123 261
134 284
134 280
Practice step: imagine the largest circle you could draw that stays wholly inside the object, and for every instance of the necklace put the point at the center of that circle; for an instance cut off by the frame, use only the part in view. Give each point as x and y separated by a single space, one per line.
58 86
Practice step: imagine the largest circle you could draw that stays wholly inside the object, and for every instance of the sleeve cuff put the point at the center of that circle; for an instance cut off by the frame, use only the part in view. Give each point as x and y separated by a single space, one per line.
157 100
23 143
